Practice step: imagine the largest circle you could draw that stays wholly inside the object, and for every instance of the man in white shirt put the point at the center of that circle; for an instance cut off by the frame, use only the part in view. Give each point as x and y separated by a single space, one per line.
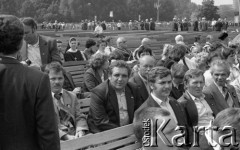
98 30
38 50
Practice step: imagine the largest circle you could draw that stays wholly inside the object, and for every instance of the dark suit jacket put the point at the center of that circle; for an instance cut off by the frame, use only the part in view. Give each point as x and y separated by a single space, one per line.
190 108
48 50
217 96
177 93
179 113
104 111
26 108
92 79
141 86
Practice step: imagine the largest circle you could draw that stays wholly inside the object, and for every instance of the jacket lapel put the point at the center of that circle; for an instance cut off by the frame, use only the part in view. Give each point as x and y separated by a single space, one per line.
43 47
97 76
191 109
233 94
68 106
218 97
113 99
130 103
141 85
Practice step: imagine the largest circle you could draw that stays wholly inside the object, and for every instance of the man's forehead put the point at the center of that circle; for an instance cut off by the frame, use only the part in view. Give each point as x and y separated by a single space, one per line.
54 73
167 78
121 70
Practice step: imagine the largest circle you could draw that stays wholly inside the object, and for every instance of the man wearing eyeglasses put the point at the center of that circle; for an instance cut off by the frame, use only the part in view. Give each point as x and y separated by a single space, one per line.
122 49
146 63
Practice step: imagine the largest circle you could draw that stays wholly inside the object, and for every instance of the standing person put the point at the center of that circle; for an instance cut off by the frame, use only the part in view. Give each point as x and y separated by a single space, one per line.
146 25
175 25
40 50
119 25
218 25
98 30
152 24
195 25
26 107
142 25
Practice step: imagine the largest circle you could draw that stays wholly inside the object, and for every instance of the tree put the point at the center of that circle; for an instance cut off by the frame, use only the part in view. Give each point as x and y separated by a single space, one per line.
8 7
208 10
27 9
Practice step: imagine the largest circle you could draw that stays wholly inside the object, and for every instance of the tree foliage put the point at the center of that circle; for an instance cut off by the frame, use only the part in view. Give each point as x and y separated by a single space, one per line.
208 10
77 10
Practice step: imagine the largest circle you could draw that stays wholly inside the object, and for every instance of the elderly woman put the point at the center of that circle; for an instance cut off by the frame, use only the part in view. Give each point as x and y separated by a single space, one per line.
73 54
96 74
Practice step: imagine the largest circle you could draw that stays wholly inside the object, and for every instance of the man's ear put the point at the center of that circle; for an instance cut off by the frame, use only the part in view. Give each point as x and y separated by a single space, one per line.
151 85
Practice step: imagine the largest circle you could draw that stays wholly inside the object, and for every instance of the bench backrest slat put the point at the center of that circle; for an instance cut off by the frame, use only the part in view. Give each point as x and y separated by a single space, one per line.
115 137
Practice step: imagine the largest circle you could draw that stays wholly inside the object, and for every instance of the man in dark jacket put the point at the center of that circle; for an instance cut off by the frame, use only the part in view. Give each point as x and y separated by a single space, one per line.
114 101
26 107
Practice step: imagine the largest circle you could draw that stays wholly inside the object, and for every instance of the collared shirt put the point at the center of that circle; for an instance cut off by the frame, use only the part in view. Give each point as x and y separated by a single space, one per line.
123 111
165 105
55 100
109 49
33 53
145 82
205 114
224 93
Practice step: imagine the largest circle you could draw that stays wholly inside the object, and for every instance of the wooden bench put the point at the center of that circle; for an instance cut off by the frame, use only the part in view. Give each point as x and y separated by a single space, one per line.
121 138
77 70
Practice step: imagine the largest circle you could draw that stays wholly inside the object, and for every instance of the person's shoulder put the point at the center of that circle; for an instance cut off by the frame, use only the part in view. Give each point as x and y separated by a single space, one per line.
132 85
101 88
46 38
69 93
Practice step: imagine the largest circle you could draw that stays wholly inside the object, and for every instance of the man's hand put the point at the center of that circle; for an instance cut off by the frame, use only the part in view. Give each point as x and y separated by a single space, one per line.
77 90
79 134
68 137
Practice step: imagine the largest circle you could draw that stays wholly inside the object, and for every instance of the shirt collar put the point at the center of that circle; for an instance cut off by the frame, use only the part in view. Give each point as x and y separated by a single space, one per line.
144 80
35 45
194 98
9 56
159 101
54 93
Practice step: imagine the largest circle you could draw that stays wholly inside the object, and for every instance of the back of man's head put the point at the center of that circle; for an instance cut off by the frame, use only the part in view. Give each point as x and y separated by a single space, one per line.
150 113
28 21
11 34
228 117
179 39
146 41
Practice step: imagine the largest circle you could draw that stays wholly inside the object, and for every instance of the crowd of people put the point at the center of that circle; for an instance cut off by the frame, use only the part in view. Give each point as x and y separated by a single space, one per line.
189 86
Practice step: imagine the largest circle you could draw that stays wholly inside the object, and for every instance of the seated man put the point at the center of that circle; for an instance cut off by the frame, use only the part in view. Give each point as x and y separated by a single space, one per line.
71 123
114 101
154 114
223 94
160 81
199 107
228 117
122 49
145 44
146 63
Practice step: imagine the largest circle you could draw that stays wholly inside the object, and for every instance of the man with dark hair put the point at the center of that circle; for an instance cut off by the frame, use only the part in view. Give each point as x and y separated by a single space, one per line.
37 50
224 95
71 122
146 63
26 108
178 71
91 48
160 81
155 114
227 118
114 101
